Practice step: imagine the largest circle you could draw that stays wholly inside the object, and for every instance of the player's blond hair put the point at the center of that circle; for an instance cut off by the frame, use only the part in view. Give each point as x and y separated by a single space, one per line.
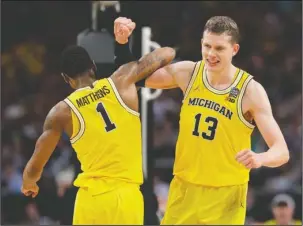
223 24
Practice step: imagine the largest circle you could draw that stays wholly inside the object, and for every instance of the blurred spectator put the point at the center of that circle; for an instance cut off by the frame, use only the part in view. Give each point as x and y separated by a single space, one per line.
33 216
161 191
283 207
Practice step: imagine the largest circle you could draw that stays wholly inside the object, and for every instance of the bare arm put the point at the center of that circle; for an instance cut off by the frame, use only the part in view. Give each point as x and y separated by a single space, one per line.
47 142
137 70
172 76
260 108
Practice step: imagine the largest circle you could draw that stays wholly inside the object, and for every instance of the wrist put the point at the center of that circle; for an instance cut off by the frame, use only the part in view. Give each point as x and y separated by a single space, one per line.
262 158
272 158
121 48
31 176
123 54
122 41
28 180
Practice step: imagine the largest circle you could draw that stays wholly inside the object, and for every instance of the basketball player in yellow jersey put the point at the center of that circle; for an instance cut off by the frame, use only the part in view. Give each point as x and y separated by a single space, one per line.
221 105
102 120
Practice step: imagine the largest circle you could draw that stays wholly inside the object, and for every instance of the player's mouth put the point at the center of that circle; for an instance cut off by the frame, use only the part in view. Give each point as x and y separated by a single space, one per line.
213 63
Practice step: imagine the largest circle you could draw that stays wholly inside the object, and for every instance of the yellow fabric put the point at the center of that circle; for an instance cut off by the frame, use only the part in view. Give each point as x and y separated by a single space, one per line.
119 207
274 222
191 204
212 131
108 151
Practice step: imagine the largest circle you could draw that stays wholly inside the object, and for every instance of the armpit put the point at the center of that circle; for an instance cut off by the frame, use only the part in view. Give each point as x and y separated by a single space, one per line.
248 116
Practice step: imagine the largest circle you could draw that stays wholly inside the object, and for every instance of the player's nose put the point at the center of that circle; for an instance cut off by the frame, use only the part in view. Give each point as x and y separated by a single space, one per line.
211 54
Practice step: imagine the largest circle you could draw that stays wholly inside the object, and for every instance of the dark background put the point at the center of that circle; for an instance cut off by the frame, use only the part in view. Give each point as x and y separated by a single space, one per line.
35 32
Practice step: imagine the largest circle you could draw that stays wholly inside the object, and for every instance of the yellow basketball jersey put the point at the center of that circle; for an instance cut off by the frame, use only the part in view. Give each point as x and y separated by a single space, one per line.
106 137
212 131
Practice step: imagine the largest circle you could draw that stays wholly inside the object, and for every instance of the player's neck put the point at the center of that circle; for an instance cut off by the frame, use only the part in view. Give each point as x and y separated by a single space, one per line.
84 81
225 76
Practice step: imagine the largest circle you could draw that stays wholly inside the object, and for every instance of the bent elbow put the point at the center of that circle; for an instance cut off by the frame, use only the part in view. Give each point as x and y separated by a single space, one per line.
286 156
170 54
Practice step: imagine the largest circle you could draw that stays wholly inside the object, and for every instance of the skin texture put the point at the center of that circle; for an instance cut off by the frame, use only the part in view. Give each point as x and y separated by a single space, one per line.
218 51
59 119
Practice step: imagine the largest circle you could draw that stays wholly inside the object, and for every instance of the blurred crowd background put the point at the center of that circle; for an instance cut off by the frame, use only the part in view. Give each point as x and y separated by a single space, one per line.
35 32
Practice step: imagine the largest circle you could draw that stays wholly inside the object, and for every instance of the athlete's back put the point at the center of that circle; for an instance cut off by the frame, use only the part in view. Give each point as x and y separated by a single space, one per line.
110 147
101 119
106 137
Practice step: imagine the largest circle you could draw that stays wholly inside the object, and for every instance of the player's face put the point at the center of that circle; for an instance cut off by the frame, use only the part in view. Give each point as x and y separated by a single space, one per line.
217 51
283 214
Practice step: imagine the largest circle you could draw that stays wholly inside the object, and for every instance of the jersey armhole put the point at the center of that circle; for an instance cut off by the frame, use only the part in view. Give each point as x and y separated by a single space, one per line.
81 126
75 123
120 99
239 103
192 79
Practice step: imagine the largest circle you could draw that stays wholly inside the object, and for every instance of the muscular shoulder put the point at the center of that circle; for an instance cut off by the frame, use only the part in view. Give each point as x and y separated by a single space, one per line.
58 117
182 72
255 96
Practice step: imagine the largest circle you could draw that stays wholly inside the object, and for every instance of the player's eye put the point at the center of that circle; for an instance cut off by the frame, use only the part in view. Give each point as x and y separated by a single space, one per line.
219 48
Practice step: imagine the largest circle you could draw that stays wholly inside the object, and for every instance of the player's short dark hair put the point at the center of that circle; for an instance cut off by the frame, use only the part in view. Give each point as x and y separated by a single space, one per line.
223 24
75 60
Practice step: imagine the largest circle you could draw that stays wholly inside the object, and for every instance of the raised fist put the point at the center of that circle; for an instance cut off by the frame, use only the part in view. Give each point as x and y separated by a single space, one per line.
123 28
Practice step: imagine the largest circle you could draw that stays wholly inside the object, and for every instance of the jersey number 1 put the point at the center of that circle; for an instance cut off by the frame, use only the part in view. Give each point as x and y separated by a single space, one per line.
211 128
109 125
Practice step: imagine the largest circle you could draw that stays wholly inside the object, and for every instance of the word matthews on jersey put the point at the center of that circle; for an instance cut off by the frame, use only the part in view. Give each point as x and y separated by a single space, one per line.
92 97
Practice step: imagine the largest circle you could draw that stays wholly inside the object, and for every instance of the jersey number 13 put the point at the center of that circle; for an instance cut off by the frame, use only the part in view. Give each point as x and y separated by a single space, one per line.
210 135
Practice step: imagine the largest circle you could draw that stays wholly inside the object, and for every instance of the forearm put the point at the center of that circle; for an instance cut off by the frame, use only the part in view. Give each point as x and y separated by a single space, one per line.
276 156
31 172
151 62
123 55
44 148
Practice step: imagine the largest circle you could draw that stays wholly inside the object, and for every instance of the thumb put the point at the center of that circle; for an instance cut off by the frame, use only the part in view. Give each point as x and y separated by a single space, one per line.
132 25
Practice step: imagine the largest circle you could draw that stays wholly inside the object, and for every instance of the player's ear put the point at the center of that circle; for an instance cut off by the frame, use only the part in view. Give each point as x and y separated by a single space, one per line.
94 67
236 48
65 77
